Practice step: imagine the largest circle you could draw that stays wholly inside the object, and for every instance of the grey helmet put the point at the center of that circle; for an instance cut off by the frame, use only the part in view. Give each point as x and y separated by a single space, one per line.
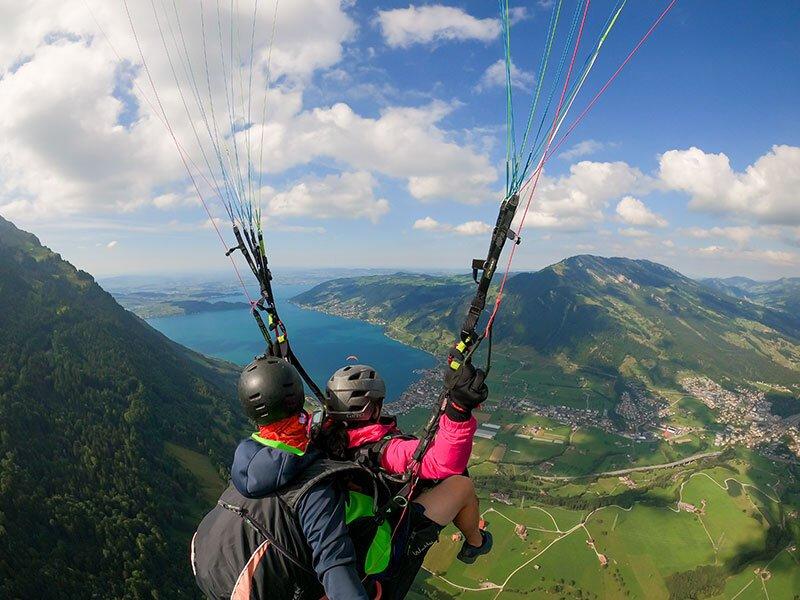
355 393
270 389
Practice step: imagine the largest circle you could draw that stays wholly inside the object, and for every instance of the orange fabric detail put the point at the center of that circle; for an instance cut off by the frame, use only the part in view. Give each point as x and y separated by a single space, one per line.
292 431
244 584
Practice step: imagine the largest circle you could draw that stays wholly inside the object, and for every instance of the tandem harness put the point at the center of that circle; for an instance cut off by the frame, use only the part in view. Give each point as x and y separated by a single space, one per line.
372 541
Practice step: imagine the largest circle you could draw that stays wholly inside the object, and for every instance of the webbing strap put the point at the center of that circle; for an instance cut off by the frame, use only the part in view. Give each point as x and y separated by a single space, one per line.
251 245
258 527
501 233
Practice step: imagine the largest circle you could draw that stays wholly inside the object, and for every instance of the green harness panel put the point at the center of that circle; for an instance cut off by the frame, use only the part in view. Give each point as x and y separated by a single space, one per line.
357 506
360 506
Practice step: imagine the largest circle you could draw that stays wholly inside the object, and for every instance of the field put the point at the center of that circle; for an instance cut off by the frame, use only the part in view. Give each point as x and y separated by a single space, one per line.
730 536
210 483
529 375
674 519
724 516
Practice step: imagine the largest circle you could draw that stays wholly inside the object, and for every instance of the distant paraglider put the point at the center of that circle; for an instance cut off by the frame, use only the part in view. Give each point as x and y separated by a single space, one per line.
352 357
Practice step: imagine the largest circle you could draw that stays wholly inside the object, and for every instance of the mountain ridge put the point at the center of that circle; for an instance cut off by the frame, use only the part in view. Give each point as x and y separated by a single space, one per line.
584 308
95 405
783 293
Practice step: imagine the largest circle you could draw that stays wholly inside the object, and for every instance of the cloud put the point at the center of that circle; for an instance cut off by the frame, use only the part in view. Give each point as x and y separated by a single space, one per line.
766 191
777 257
634 212
89 143
495 76
214 223
518 14
111 244
470 228
403 27
173 200
92 144
403 142
633 232
427 224
584 148
344 196
740 235
63 151
711 250
576 201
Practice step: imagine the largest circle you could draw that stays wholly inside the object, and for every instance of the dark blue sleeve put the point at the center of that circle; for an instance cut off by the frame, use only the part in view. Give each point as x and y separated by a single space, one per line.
321 514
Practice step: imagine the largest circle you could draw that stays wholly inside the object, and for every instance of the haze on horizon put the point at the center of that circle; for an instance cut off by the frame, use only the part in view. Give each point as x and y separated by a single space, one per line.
692 158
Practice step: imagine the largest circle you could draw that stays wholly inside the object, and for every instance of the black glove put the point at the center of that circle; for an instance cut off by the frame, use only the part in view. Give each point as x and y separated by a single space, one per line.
468 390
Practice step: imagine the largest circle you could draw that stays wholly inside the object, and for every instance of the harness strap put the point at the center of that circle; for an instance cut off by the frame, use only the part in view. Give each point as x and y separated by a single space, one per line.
259 528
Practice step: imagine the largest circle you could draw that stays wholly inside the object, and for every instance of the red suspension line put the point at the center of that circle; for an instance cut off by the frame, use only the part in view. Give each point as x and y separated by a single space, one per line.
550 137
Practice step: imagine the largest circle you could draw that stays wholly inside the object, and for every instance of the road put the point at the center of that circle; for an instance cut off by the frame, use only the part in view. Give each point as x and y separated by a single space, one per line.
676 463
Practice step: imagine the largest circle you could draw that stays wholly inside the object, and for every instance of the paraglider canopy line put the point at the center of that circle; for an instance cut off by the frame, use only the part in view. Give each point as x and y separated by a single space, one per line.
534 178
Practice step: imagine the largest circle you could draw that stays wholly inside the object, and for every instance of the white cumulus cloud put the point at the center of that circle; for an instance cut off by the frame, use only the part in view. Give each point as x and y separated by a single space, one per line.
766 191
402 27
633 212
740 234
576 201
344 196
78 133
495 76
776 257
584 148
472 228
469 228
427 224
403 142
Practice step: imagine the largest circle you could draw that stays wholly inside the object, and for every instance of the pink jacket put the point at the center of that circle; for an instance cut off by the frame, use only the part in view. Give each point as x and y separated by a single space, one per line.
448 454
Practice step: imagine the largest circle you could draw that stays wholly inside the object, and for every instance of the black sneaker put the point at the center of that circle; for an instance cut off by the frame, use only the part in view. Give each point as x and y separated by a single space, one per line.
469 553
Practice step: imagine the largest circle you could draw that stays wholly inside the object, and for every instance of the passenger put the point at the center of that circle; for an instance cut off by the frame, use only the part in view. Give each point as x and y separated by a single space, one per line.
358 432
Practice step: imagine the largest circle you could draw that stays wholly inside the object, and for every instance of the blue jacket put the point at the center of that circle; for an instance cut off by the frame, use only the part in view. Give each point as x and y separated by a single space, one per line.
260 470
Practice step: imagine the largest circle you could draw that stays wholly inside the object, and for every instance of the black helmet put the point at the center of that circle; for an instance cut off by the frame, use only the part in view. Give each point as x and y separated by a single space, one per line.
355 393
270 389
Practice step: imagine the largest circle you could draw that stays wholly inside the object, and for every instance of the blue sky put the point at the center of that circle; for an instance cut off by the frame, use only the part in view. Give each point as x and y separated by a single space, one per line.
385 138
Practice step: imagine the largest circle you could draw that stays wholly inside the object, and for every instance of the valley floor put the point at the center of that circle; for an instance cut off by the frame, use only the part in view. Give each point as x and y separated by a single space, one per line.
717 516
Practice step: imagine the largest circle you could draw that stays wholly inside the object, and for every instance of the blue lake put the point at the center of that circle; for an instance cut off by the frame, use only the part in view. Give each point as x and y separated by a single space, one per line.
322 342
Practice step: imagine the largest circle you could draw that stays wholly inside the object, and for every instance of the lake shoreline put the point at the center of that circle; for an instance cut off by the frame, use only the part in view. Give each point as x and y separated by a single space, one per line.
322 341
385 328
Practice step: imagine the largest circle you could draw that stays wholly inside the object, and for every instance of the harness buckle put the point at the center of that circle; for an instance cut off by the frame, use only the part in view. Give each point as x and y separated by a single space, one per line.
400 501
477 265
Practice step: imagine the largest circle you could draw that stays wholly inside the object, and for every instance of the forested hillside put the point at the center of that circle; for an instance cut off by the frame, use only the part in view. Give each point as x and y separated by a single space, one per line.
589 310
782 293
94 405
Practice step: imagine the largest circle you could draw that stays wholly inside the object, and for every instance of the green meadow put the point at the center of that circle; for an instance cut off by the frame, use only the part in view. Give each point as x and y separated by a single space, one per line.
652 550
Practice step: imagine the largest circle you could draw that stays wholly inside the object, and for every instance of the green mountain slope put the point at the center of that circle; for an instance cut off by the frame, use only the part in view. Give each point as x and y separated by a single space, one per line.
97 410
423 310
783 293
587 310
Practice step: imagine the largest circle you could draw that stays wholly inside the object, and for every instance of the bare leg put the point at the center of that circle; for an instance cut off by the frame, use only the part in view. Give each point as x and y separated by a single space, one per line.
454 500
467 522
